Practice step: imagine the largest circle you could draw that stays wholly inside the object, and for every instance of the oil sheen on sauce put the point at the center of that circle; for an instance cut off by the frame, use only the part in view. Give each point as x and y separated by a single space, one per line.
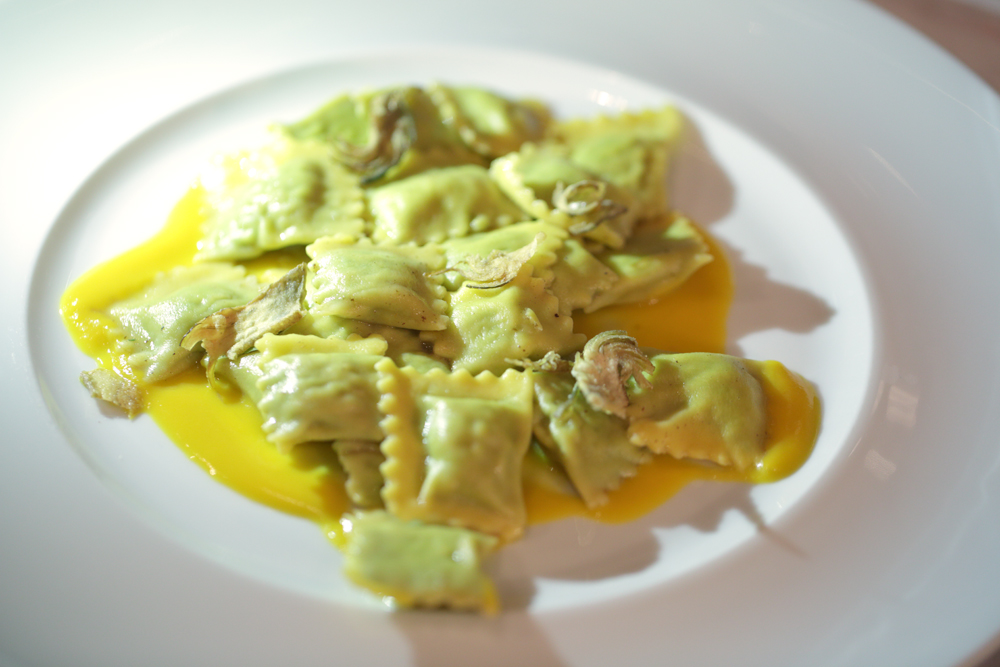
222 433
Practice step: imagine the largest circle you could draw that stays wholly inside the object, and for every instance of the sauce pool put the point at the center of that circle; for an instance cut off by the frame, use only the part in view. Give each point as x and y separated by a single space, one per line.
222 434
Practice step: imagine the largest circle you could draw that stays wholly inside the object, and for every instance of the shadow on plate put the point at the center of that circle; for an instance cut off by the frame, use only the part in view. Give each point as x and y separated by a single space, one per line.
704 192
438 642
762 304
580 550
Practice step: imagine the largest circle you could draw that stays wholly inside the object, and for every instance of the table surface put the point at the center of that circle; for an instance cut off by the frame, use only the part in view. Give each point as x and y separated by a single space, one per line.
970 31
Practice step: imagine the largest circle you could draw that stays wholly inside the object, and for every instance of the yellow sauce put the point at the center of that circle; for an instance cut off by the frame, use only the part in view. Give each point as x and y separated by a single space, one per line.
222 433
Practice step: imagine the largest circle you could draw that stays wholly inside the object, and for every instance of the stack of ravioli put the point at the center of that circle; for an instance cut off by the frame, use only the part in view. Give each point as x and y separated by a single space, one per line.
449 236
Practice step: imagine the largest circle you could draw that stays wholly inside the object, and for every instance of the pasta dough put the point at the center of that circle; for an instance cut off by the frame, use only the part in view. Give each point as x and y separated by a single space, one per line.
438 205
154 322
318 390
701 406
286 194
386 285
593 447
454 445
419 564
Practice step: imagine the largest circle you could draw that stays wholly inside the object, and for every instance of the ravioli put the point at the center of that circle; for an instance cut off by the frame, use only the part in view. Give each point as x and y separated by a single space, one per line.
440 204
389 285
591 446
549 186
488 123
488 329
419 565
661 254
393 290
288 194
361 460
318 389
702 406
454 446
507 240
350 124
631 150
154 322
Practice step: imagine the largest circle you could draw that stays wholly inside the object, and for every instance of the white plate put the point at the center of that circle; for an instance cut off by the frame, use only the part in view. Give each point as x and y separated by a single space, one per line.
801 300
856 197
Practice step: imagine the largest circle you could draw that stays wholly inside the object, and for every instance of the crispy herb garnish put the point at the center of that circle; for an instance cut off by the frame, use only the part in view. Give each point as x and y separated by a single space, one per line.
113 388
496 269
392 132
584 198
232 331
550 363
605 366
